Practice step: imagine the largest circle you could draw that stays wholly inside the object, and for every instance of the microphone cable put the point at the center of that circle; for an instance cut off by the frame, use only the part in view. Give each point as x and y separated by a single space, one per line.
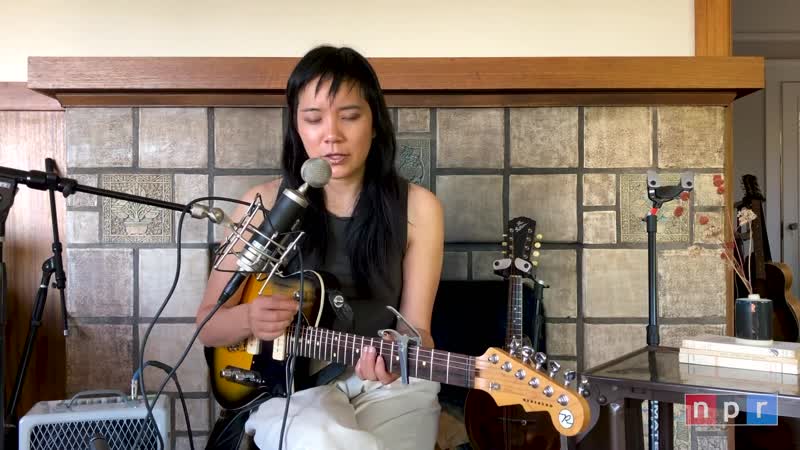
167 370
150 418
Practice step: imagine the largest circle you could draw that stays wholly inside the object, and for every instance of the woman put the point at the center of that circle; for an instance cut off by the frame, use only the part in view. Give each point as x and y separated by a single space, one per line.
381 236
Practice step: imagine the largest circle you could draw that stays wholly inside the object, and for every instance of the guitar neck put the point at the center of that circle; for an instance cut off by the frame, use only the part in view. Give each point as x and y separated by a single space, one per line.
514 315
429 364
758 243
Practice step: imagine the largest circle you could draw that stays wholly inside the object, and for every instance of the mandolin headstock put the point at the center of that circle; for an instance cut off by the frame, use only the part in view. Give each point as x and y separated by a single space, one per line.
530 381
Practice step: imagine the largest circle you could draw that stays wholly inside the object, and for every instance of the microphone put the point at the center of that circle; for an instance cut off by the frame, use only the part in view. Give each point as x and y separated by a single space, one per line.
284 217
98 442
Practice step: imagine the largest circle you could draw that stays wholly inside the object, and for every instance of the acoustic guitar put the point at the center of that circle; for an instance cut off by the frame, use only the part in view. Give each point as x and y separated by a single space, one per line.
244 373
770 279
490 426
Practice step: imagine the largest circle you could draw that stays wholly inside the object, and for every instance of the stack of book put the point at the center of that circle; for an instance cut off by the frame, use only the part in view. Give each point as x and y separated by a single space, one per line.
728 351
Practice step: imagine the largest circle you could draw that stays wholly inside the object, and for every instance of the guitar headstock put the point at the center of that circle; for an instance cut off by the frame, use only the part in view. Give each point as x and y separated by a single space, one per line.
531 383
751 192
521 247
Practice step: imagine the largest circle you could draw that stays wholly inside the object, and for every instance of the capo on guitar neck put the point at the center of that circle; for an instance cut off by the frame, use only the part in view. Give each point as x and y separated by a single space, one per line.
402 341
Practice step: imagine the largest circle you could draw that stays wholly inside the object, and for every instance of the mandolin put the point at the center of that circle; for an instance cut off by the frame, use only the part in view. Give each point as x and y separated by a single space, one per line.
244 373
490 426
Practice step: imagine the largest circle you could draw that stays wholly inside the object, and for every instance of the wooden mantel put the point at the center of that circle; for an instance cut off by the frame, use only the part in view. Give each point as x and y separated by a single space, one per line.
230 81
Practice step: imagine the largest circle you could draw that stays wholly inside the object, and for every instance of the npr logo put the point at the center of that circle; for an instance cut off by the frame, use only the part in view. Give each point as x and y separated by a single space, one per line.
713 409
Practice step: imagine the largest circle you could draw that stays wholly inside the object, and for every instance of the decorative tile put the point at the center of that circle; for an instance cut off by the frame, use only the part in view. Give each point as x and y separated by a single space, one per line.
235 187
199 412
413 160
187 188
691 286
83 227
128 222
614 282
673 223
248 138
413 120
544 137
99 357
550 200
604 342
705 226
483 265
599 189
82 199
617 137
558 269
600 227
691 136
156 274
99 137
705 193
100 282
561 339
166 343
454 266
473 207
470 138
173 137
673 335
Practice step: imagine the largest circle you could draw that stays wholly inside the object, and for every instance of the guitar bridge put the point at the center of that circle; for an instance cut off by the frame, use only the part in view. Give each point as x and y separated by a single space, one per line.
241 376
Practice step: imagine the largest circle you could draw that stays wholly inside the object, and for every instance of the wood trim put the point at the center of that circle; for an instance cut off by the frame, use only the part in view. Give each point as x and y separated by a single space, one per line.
17 97
401 75
712 28
145 99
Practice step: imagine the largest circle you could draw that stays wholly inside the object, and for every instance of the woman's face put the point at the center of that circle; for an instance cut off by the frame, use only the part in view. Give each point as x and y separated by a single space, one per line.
340 131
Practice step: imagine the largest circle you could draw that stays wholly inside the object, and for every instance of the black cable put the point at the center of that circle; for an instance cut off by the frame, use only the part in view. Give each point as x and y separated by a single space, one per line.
290 360
149 408
167 369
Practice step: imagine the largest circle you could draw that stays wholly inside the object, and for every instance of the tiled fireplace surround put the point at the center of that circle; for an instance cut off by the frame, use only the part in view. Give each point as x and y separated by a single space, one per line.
579 171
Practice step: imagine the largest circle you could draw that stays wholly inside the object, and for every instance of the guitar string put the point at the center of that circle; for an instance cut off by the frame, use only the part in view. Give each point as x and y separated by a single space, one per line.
324 339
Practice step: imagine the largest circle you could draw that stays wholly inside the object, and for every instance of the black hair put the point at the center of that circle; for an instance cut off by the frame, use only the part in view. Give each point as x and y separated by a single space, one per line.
372 234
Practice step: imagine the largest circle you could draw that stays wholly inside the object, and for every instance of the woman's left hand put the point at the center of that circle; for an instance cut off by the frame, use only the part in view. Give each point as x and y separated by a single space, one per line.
371 367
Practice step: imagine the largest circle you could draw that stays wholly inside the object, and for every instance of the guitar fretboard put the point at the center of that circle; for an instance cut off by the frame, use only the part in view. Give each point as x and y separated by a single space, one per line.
514 315
429 364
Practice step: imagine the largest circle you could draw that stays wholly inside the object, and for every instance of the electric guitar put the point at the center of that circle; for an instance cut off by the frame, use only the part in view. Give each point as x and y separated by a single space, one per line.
241 374
490 426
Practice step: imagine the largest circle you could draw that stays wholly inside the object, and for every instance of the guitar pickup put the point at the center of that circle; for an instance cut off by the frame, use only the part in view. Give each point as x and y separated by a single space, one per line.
241 376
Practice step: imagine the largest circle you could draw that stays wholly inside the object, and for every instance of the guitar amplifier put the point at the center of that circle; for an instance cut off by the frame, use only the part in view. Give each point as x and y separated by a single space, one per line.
70 424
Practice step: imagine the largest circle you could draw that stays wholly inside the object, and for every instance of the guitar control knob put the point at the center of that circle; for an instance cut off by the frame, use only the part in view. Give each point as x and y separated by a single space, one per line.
548 391
569 377
554 368
583 388
540 358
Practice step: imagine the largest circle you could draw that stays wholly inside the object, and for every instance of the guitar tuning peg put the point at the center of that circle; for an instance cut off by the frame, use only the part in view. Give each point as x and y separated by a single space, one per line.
540 358
526 353
554 367
569 377
583 388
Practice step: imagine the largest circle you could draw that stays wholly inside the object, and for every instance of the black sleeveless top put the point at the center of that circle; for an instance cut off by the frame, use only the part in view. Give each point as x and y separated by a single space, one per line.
369 308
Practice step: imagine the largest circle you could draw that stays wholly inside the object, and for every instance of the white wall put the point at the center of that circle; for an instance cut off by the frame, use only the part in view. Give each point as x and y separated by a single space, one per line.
376 28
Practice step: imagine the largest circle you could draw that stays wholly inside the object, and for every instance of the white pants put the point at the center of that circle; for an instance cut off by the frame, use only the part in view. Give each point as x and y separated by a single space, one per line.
350 413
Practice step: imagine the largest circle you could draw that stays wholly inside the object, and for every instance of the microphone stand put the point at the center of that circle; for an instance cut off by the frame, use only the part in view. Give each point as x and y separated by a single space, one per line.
658 195
8 188
50 181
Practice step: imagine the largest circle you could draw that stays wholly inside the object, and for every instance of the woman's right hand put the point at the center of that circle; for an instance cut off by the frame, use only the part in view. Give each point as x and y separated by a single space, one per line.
269 316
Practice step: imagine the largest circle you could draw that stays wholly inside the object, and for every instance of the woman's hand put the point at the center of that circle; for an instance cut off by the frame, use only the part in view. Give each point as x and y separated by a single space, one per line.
269 316
371 367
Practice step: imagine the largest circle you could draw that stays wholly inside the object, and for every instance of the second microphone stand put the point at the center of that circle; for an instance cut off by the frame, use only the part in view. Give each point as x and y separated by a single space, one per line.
658 195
